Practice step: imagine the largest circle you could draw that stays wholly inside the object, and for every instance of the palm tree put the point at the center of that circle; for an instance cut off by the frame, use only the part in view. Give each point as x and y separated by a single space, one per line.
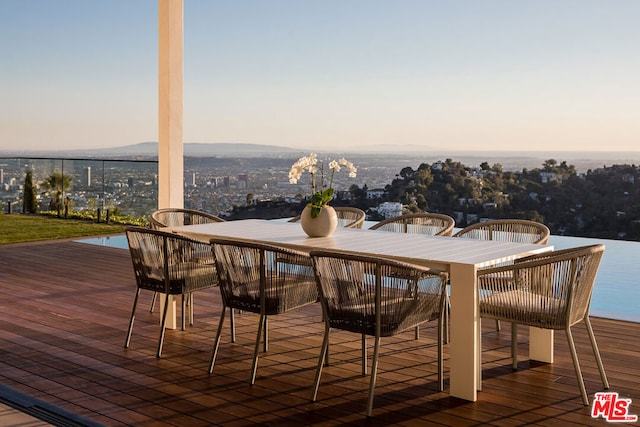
58 183
29 202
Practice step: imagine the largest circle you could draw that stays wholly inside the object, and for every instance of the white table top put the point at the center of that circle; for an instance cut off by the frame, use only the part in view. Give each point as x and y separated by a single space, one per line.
433 251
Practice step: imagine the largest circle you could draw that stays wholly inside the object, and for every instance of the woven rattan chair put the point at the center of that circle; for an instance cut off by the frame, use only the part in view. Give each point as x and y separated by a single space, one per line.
549 291
170 264
347 217
506 230
375 297
431 224
177 217
263 279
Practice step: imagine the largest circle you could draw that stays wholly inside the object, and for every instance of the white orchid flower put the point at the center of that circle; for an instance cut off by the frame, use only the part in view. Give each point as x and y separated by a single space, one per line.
308 163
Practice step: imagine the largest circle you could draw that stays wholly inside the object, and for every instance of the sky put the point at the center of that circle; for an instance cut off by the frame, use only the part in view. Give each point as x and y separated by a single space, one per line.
531 75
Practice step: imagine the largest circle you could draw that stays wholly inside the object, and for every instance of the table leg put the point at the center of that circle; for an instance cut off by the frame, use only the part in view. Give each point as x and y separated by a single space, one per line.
541 344
465 333
171 312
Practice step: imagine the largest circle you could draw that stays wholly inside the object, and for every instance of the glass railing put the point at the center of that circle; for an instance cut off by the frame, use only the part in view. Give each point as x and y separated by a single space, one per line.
90 187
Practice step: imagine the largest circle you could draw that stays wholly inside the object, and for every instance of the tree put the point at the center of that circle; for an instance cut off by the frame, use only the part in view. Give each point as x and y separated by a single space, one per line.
423 175
29 202
406 173
421 201
58 183
249 199
550 165
358 194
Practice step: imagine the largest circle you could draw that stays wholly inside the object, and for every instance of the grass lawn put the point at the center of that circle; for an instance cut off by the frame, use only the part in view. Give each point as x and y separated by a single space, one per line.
15 228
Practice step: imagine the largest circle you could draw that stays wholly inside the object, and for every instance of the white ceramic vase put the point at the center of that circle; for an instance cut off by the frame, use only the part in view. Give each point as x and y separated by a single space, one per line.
323 225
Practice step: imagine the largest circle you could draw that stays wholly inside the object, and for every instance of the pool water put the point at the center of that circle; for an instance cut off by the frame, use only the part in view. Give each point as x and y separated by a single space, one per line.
616 294
119 242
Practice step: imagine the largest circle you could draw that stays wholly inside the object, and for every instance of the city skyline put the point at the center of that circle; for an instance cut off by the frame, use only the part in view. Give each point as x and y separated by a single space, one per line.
332 75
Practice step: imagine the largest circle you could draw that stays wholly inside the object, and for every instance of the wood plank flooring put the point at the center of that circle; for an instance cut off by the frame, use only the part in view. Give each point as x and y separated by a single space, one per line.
65 308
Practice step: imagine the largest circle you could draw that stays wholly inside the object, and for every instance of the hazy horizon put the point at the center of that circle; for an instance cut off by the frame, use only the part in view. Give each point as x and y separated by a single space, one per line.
373 149
446 76
510 160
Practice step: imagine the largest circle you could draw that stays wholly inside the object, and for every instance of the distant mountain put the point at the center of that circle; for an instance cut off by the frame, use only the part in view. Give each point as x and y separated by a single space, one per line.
409 155
202 150
150 149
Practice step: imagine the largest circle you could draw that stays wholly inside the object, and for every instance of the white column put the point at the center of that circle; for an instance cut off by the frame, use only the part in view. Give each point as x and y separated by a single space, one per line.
170 106
170 100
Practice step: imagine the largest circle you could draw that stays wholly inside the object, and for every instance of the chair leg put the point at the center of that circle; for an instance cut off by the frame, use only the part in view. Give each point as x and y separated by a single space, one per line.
265 331
514 344
321 360
596 353
576 366
417 333
326 357
498 327
445 315
191 309
216 343
232 319
163 324
440 351
153 302
374 371
133 316
254 366
184 308
364 355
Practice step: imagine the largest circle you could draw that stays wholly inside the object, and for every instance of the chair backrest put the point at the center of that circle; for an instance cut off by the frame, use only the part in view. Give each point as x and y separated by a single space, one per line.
549 290
263 278
347 217
431 224
169 263
176 217
376 296
350 217
507 230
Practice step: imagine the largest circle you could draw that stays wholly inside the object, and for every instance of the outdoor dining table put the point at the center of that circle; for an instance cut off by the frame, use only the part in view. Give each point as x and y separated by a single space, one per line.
460 258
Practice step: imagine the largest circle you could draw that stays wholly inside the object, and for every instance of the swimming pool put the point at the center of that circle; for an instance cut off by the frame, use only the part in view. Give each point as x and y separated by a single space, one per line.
616 294
119 242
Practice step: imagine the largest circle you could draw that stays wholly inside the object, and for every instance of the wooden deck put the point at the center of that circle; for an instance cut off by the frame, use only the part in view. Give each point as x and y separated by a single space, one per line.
65 308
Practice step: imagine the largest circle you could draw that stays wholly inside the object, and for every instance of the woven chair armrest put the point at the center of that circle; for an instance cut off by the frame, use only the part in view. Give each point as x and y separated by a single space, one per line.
364 258
539 259
559 255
